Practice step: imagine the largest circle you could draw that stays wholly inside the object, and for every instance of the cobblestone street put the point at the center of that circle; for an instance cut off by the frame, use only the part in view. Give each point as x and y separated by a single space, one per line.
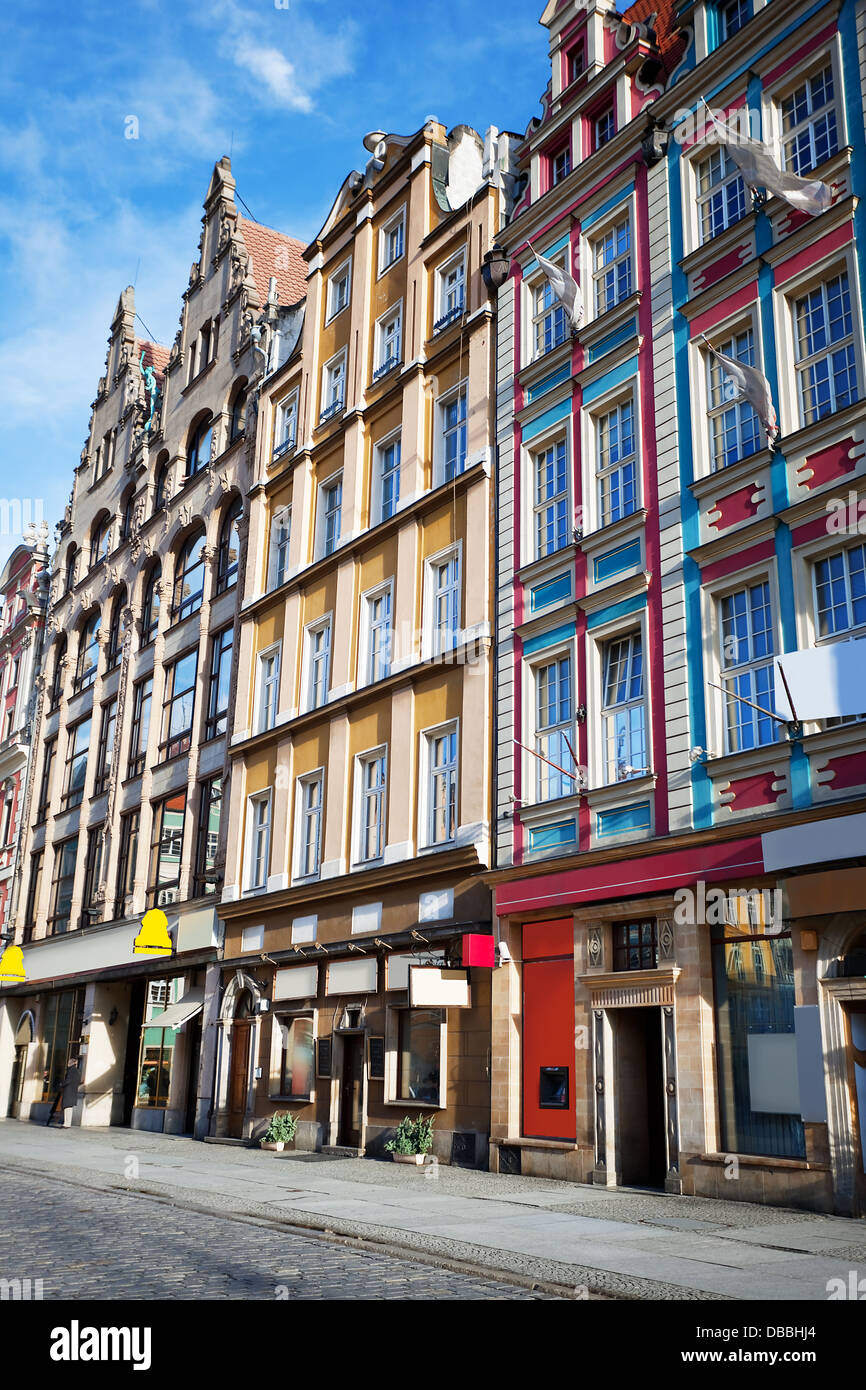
85 1244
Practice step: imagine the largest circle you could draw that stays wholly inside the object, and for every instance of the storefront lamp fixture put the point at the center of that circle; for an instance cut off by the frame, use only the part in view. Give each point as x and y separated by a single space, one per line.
494 271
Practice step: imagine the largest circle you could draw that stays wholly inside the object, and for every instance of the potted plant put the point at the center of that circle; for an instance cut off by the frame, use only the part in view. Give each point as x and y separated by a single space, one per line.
280 1132
413 1140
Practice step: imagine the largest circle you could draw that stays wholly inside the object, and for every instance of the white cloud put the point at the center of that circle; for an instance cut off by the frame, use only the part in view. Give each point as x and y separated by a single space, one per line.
273 69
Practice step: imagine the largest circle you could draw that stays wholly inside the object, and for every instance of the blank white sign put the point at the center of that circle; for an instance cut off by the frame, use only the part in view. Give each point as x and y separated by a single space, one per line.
430 987
352 976
825 682
774 1084
296 982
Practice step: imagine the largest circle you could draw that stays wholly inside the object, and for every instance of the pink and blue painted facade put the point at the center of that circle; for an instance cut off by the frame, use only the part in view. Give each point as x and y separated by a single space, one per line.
655 556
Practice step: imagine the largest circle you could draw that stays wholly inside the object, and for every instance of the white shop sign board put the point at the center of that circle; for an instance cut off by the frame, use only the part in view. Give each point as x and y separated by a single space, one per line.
825 682
297 982
352 976
432 987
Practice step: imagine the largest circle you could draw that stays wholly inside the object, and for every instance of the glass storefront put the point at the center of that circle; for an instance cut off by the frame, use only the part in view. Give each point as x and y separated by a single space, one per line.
154 1070
754 1005
61 1034
419 1055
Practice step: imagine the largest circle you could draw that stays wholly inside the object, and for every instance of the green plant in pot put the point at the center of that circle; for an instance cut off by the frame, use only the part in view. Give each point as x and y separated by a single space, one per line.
413 1139
281 1131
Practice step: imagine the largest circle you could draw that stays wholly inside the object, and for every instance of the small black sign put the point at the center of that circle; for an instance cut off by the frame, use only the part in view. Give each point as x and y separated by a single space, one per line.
323 1066
377 1059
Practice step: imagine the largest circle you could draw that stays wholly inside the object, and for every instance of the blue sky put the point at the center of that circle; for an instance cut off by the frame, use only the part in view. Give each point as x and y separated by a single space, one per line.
289 87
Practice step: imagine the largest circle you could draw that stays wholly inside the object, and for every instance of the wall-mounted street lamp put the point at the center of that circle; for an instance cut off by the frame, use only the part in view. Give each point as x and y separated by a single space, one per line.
494 271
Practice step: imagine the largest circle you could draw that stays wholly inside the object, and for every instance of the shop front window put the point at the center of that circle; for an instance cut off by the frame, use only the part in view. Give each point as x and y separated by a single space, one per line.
419 1055
61 1033
296 1056
154 1070
757 1067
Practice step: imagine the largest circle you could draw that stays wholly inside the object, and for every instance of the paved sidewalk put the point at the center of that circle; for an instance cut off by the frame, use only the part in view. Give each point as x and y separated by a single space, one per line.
626 1243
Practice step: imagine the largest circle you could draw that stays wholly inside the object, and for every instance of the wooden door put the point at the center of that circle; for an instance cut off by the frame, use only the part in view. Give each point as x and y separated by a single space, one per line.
239 1076
352 1091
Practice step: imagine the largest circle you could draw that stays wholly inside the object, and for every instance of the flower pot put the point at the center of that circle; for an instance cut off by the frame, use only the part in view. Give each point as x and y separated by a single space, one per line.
408 1158
276 1147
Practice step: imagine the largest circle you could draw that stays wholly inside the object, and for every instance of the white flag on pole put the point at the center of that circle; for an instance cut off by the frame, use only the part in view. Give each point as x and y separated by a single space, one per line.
564 286
749 385
760 170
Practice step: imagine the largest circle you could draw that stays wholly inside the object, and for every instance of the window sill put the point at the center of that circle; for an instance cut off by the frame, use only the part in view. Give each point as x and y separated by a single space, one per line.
533 372
416 1104
700 257
194 380
732 476
808 439
613 793
598 327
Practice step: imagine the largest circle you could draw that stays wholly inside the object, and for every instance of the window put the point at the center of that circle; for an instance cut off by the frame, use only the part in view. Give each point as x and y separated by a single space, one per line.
287 426
747 667
260 840
371 806
809 127
90 907
201 443
189 577
721 193
142 695
129 827
229 547
161 488
453 421
391 239
150 606
379 635
635 946
76 763
604 128
733 16
56 689
554 728
166 848
65 855
444 607
126 517
840 592
154 1068
734 428
551 499
34 887
71 560
549 327
178 705
826 360
560 165
333 387
611 260
623 713
419 1055
310 828
616 463
219 686
61 1034
451 291
238 416
268 688
388 492
318 664
105 752
115 636
574 64
442 786
338 289
7 821
296 1043
389 331
330 509
278 547
100 541
88 653
209 812
45 784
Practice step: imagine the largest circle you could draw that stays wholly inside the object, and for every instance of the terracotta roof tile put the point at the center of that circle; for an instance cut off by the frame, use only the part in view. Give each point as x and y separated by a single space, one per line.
671 41
155 355
274 253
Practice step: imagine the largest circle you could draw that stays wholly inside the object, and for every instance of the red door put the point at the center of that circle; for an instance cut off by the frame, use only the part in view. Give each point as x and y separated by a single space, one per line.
548 1030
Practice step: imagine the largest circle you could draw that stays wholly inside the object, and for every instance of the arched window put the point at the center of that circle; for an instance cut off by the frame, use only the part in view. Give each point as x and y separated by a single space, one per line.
100 541
71 558
229 547
150 606
198 455
88 652
57 674
189 577
160 491
126 516
238 419
114 632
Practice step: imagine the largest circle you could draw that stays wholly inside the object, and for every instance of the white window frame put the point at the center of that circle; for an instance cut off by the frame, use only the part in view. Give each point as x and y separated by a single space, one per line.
258 840
722 332
389 344
724 339
428 771
624 211
724 32
369 626
342 275
362 797
443 402
380 449
281 524
854 339
536 773
332 371
597 751
286 428
730 671
304 813
446 312
325 487
542 305
432 643
533 449
826 58
267 687
609 110
703 198
284 1017
711 601
313 658
626 394
385 261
